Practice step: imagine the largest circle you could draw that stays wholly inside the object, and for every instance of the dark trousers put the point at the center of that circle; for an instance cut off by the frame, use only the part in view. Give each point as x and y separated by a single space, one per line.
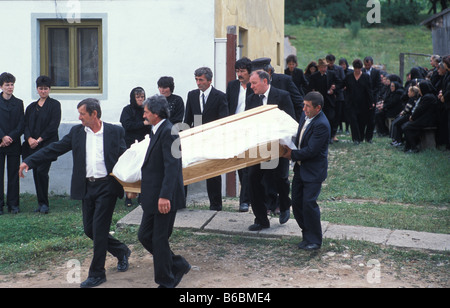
98 209
330 112
41 180
362 125
258 179
397 132
214 189
412 132
306 210
154 234
244 196
12 194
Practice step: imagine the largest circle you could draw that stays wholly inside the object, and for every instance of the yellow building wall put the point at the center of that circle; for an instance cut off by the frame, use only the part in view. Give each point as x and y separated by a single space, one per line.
259 24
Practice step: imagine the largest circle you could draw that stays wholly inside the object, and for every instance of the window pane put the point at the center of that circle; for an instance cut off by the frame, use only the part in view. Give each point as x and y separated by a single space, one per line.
58 56
88 57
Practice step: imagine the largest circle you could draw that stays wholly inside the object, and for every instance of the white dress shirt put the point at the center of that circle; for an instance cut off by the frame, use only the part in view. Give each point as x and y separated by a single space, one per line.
206 97
95 158
241 99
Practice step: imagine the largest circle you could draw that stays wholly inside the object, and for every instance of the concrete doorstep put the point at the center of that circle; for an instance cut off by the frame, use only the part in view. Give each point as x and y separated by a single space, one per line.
234 223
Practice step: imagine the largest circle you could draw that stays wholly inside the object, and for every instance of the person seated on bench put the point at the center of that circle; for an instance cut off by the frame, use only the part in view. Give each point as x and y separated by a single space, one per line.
423 115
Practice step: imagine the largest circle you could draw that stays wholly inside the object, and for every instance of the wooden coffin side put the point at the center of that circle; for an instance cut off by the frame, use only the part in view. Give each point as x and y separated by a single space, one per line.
214 167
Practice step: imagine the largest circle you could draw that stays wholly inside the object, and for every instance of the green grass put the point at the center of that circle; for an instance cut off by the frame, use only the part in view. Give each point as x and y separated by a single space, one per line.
31 239
383 44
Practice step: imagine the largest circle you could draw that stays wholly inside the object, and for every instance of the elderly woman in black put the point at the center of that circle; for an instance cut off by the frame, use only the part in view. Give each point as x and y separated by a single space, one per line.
132 119
42 119
423 115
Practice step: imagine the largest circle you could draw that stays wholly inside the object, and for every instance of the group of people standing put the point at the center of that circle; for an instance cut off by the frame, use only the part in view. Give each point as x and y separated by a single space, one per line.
370 100
316 101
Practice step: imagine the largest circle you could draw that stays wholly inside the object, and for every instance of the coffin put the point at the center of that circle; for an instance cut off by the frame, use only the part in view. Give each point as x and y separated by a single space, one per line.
232 143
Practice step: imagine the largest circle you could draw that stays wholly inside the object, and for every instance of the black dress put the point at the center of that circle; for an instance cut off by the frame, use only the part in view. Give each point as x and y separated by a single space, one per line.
41 122
359 103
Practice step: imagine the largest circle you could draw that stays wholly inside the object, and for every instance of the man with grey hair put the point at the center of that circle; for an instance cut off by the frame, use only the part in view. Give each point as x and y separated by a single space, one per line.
208 104
96 147
162 194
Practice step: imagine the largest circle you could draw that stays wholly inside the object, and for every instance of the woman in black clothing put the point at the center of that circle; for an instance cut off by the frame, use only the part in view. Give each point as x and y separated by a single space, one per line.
42 119
423 115
132 119
11 129
359 102
390 108
176 104
344 115
309 70
296 73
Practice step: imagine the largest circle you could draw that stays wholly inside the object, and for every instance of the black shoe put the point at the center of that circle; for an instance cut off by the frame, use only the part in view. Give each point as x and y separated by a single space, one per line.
257 227
123 264
92 282
284 216
243 207
302 244
43 209
216 208
128 202
15 210
180 274
309 247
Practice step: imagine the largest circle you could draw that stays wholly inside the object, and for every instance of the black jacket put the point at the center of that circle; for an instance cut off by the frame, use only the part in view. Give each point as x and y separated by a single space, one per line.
75 141
277 97
162 175
42 123
216 107
132 119
11 123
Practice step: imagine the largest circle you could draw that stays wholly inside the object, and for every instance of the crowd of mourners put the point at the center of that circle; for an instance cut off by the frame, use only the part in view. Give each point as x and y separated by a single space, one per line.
371 100
358 98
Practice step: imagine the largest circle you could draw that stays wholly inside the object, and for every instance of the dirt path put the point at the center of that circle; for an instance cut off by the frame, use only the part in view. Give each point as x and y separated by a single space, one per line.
236 270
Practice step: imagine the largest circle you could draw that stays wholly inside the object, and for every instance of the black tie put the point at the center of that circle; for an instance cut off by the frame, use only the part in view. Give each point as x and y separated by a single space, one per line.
203 101
261 97
151 133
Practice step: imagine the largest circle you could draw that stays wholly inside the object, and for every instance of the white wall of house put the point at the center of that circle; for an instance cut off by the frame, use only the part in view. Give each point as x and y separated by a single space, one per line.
142 41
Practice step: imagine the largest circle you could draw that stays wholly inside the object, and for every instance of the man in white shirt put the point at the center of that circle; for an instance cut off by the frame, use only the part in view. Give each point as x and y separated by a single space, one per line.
96 146
237 92
208 104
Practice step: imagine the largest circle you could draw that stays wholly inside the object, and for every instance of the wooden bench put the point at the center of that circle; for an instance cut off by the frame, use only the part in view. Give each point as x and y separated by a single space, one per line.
428 138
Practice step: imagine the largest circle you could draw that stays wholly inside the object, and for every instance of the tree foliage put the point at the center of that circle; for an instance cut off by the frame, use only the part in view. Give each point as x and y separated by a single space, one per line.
337 13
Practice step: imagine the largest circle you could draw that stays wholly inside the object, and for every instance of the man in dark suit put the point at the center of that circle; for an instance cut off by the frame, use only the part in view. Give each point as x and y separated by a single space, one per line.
282 82
96 147
375 80
310 170
265 94
327 83
237 92
204 105
162 194
11 128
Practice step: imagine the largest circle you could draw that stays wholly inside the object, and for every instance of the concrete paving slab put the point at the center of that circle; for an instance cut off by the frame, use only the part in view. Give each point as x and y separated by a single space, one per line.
131 219
193 219
374 235
231 223
238 223
420 240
